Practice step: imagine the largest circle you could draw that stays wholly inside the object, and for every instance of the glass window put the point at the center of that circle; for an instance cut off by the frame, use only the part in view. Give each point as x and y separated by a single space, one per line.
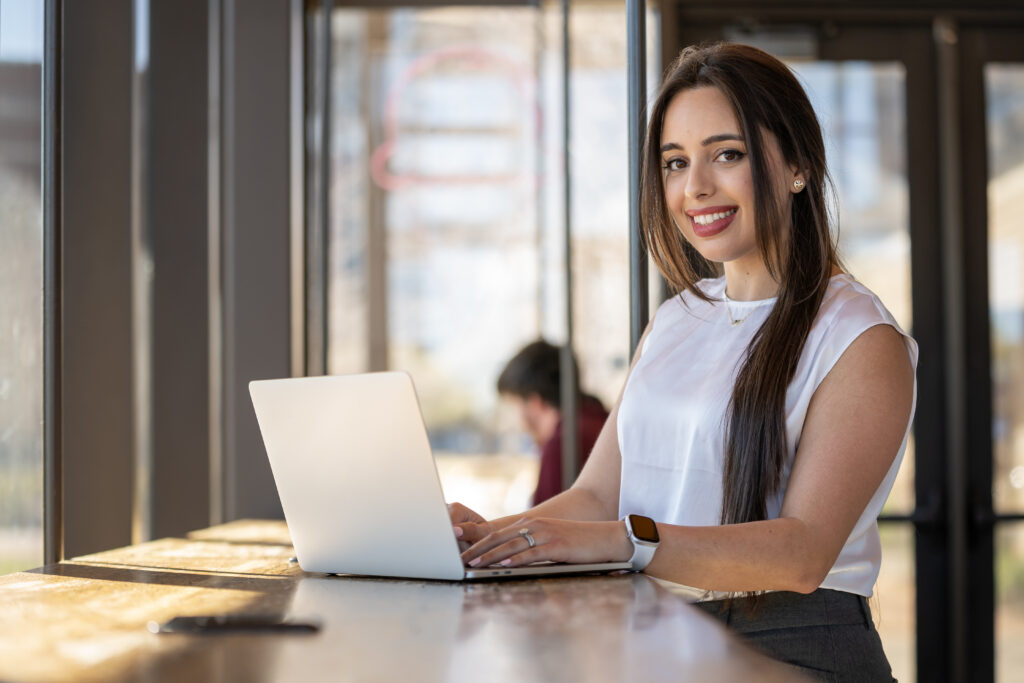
1009 617
862 110
1004 105
447 214
894 604
21 281
1004 98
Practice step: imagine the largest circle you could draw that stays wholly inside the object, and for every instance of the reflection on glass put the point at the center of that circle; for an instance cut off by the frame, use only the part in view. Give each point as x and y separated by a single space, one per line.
1004 105
21 284
893 605
447 213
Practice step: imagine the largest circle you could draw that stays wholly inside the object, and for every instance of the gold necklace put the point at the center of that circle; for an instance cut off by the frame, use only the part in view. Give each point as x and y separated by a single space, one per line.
728 309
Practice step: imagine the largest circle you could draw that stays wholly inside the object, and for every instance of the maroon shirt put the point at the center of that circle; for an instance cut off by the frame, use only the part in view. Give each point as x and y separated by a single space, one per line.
591 417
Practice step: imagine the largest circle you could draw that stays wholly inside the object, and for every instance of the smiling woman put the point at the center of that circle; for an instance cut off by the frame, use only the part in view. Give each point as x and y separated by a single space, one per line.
717 165
699 167
766 413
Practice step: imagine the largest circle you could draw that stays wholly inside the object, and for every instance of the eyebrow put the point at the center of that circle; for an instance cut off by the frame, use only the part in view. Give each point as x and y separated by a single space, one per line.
721 137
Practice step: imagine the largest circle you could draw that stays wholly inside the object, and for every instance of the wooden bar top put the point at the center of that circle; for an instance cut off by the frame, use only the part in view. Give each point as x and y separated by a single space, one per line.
86 619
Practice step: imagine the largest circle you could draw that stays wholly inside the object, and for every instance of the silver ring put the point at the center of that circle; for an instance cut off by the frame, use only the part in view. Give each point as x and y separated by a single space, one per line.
525 533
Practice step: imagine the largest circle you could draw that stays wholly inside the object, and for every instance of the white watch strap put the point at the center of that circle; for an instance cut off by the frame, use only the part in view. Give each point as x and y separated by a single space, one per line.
643 553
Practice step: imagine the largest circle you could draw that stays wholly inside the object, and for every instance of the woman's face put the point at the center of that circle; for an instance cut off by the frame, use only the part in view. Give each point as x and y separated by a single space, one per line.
709 187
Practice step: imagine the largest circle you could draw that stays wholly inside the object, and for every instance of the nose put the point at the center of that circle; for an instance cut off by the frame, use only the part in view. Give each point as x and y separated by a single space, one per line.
699 182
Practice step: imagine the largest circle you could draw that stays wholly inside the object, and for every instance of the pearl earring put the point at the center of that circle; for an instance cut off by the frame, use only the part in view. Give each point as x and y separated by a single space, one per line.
798 184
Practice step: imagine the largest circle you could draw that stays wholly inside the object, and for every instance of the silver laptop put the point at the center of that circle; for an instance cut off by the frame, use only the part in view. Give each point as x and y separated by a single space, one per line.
357 480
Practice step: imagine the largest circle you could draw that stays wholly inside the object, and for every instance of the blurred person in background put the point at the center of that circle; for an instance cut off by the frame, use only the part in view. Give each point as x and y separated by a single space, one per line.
532 380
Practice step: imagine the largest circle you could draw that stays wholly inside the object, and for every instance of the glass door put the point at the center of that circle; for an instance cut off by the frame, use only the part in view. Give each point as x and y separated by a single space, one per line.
993 104
867 85
925 123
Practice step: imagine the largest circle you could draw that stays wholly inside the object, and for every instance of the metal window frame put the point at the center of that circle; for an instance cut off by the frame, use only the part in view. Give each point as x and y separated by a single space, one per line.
181 167
214 270
256 234
316 253
979 44
91 404
53 479
567 366
141 241
636 70
233 313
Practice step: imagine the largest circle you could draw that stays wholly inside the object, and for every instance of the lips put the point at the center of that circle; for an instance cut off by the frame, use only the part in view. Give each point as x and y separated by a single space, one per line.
711 221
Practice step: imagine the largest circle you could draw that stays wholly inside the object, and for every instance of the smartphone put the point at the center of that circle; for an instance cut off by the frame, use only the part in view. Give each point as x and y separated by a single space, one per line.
234 623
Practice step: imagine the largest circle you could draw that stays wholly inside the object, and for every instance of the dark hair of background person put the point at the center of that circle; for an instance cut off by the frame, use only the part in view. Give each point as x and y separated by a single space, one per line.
536 369
766 98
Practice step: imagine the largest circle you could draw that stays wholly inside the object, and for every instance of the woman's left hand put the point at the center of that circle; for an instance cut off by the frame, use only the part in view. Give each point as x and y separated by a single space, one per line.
554 540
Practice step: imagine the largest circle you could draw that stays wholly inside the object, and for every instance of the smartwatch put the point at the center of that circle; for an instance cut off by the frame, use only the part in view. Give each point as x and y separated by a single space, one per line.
643 534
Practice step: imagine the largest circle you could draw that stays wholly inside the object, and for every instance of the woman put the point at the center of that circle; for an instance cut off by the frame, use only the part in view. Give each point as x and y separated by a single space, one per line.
767 409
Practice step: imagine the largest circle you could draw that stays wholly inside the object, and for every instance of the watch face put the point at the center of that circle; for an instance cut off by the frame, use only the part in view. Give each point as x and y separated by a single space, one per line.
644 528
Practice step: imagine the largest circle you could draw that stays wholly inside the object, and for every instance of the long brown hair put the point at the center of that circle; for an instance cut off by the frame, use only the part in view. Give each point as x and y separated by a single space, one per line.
766 98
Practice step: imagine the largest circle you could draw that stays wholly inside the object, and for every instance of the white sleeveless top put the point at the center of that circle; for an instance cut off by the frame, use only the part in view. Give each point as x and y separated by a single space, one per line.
672 417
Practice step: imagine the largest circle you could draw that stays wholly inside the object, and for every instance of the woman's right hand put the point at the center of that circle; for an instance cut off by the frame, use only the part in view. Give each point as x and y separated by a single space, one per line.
469 526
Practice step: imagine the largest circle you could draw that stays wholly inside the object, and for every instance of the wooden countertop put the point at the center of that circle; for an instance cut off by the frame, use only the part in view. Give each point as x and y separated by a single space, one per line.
86 619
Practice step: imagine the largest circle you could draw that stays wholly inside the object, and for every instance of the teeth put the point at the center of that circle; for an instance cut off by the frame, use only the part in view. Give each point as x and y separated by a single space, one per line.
708 218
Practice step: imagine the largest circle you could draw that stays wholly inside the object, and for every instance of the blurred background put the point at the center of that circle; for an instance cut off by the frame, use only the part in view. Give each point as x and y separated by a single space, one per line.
266 189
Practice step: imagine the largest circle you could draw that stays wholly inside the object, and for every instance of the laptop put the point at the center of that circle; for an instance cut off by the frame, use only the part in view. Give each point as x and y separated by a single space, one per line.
358 484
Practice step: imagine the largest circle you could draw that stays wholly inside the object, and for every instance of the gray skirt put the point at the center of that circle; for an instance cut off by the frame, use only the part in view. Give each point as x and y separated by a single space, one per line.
827 634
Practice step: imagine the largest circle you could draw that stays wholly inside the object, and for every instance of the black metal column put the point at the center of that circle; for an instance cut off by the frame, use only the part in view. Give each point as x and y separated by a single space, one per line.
53 478
636 66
